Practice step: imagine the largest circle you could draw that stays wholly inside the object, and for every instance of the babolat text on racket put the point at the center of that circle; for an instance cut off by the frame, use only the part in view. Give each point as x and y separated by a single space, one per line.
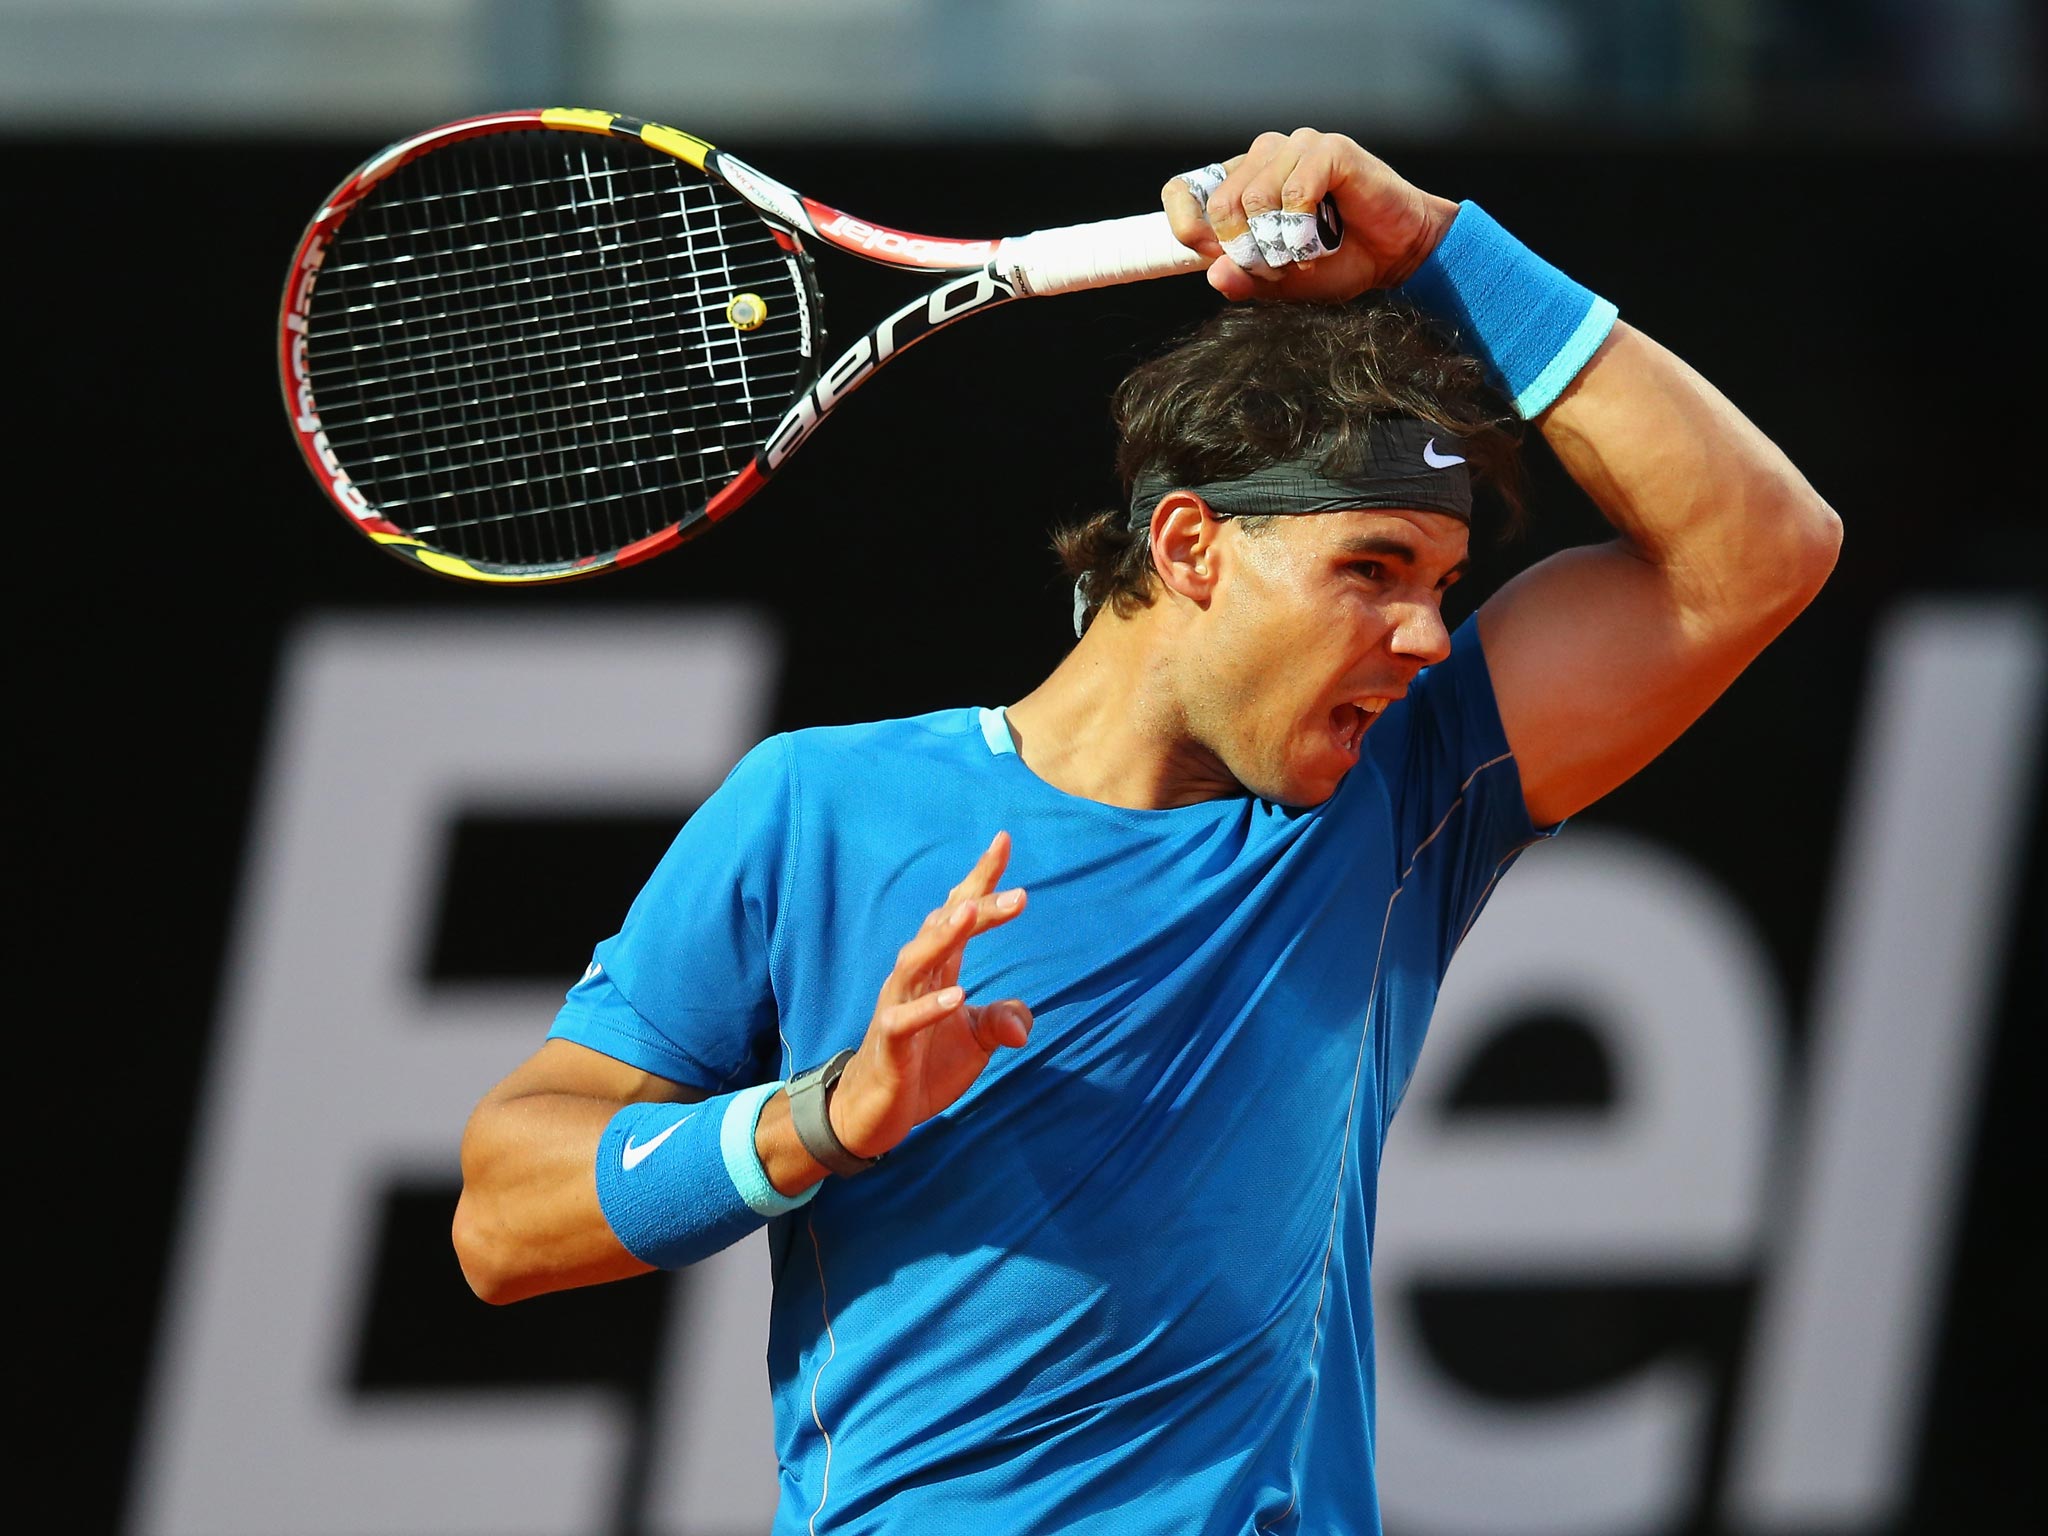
538 345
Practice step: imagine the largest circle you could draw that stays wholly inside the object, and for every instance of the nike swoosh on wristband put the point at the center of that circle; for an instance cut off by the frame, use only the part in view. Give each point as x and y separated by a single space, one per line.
632 1157
1437 460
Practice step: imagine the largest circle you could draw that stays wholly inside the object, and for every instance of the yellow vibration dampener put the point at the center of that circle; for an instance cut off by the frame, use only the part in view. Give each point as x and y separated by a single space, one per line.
746 312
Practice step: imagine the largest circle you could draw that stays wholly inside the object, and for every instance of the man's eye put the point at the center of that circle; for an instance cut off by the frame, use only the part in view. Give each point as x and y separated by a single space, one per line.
1371 570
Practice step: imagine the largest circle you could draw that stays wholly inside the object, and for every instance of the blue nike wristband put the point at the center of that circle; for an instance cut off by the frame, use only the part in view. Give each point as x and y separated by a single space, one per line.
1532 326
678 1182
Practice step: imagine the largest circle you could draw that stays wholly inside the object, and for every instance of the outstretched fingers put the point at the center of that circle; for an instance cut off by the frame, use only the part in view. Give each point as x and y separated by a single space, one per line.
988 869
932 957
926 1044
900 1021
991 1026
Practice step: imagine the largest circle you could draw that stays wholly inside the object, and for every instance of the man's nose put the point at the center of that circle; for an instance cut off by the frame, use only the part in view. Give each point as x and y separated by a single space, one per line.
1419 632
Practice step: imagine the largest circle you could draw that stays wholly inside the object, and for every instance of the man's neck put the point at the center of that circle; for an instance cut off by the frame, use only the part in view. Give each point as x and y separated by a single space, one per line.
1108 725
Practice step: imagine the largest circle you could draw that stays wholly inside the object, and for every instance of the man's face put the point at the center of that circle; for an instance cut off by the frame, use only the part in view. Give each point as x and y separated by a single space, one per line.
1315 623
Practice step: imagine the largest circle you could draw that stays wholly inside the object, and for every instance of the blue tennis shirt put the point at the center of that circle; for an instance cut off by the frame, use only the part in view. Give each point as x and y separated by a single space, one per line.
1121 1285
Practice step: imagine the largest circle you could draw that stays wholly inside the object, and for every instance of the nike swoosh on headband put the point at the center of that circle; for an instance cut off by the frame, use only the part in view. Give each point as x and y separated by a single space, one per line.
632 1157
1378 469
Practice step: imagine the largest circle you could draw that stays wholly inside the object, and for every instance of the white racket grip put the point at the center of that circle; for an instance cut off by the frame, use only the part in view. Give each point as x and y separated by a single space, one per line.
1094 256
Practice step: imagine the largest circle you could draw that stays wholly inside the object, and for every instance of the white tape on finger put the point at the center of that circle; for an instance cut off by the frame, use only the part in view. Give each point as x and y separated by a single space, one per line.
1245 250
1203 181
1285 238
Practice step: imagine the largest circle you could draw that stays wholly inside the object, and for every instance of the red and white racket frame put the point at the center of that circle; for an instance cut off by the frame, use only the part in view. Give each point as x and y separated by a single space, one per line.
984 273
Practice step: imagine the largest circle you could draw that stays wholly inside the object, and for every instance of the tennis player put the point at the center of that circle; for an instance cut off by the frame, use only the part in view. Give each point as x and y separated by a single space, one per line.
1070 1200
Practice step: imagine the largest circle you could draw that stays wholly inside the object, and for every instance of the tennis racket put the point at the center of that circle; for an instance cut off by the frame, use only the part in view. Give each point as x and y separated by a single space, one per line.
540 345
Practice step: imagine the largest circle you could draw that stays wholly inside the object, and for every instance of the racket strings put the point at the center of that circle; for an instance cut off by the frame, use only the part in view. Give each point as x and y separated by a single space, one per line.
520 351
618 458
409 387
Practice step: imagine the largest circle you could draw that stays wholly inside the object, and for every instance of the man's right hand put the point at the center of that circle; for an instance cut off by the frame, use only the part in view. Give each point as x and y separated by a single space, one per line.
926 1044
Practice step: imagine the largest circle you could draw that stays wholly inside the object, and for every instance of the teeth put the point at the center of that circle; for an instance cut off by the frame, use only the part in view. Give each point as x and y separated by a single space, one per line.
1352 726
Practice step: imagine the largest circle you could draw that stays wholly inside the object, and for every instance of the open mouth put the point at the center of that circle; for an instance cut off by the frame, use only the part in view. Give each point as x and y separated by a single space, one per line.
1350 721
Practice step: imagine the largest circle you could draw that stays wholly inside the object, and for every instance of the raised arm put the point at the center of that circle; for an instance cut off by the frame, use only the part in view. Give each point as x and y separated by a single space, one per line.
1599 656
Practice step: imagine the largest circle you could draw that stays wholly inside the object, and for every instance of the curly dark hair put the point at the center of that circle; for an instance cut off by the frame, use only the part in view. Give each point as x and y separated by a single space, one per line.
1257 384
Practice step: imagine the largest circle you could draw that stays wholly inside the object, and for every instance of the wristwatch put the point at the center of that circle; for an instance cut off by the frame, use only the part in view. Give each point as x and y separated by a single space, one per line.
810 1093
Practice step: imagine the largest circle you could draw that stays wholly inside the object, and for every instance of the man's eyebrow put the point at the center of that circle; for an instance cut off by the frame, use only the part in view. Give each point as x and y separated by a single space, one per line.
1379 544
1389 547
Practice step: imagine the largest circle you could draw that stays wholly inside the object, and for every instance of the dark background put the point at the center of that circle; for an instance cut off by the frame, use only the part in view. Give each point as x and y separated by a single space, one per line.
1874 308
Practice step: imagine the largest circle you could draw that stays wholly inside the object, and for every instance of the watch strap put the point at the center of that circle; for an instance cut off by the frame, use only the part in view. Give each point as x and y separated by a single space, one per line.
809 1096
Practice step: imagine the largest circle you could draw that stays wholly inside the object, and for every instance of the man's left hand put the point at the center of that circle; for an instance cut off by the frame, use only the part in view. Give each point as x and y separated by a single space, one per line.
1390 225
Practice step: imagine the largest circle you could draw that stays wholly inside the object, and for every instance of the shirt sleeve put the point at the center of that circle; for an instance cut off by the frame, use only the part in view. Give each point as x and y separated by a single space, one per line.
1459 822
683 990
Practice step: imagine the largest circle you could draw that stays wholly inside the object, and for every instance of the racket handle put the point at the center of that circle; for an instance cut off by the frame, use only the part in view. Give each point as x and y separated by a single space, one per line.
1082 256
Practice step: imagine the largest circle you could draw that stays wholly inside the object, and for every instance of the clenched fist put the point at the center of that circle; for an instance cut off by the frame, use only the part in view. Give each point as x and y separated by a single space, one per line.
1390 225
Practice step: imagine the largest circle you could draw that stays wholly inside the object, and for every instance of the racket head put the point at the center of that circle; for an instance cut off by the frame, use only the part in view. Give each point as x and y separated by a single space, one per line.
537 345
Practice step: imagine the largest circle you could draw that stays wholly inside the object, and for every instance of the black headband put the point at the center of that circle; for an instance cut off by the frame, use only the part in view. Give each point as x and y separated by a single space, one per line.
1406 463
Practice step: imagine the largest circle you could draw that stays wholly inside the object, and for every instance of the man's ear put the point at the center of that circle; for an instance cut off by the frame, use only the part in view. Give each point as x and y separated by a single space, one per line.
1185 534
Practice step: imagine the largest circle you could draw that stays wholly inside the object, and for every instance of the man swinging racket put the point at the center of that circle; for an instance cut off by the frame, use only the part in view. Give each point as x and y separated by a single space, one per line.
1070 1203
